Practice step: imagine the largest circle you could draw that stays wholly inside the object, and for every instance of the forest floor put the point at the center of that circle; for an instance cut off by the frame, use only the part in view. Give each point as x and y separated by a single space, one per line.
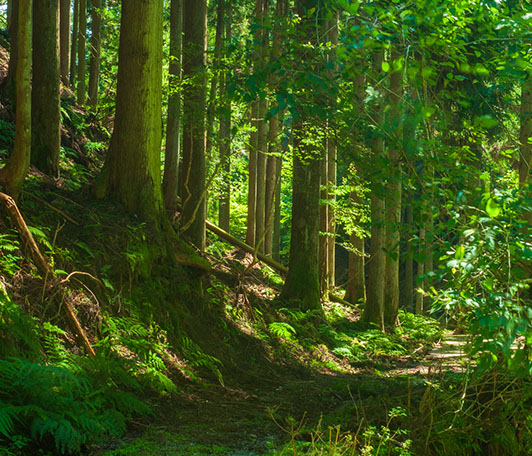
262 417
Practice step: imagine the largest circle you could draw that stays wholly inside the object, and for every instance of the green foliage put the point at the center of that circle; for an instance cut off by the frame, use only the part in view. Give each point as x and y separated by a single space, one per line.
9 249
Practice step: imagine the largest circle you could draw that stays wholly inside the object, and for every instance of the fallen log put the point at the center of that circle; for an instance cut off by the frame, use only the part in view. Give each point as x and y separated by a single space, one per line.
42 264
263 258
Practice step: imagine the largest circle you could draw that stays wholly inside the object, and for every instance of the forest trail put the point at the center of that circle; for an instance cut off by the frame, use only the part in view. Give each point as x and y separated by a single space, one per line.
256 417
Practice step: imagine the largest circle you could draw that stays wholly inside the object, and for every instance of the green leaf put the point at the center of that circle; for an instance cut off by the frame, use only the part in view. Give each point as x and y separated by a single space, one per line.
385 67
492 208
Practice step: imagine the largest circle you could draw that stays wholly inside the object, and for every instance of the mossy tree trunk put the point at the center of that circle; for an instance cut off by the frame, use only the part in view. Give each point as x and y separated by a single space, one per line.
303 281
16 168
64 39
173 125
193 176
46 103
95 51
131 172
13 55
82 51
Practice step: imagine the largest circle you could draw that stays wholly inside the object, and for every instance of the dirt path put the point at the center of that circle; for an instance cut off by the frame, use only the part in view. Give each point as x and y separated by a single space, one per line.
247 420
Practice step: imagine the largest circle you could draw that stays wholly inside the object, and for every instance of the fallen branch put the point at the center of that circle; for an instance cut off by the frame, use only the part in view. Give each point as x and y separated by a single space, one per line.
41 263
265 259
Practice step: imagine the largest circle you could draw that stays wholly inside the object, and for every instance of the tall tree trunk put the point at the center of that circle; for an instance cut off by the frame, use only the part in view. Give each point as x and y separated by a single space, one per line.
16 168
420 271
95 50
82 51
355 290
331 164
252 177
374 309
393 199
303 282
132 169
173 125
324 226
224 207
74 44
13 55
408 283
64 39
46 107
193 185
525 132
276 242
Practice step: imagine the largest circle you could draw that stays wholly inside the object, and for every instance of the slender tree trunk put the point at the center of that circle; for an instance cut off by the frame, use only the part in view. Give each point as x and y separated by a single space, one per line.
324 227
525 132
16 168
224 207
13 55
393 199
408 285
74 44
173 126
95 51
193 188
374 309
132 169
252 178
82 51
420 271
276 243
355 290
331 166
64 46
10 17
46 107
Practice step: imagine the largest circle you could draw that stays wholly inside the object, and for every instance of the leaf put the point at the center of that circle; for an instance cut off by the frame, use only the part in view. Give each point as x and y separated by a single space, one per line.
492 208
385 67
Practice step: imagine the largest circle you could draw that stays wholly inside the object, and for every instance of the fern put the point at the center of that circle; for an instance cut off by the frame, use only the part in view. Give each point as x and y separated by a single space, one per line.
282 329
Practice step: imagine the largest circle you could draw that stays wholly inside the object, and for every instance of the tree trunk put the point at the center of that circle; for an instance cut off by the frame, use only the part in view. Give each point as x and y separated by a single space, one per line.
74 44
420 271
525 132
64 39
193 186
393 199
46 103
276 243
132 169
224 207
95 50
303 280
324 225
173 125
355 290
16 168
331 165
13 55
82 51
252 178
374 309
408 283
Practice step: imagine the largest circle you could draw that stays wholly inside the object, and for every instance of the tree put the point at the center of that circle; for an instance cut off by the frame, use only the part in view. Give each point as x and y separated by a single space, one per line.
74 43
82 50
302 282
95 50
173 125
64 39
131 172
46 102
193 164
13 173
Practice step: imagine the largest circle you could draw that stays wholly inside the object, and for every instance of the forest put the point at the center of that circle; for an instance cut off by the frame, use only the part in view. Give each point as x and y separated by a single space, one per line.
265 227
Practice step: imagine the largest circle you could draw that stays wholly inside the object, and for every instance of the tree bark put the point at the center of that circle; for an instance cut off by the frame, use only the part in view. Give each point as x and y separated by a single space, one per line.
46 102
525 132
74 44
355 290
193 186
95 51
408 283
132 169
82 50
64 46
420 271
13 55
252 178
16 168
173 125
393 199
224 207
374 309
